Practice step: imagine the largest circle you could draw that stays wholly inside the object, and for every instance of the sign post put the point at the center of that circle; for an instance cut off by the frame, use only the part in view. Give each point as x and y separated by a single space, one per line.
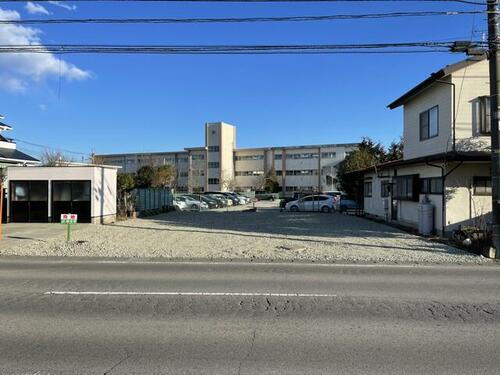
69 220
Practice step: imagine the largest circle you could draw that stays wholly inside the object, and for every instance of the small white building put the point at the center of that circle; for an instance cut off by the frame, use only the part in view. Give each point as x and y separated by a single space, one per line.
42 194
447 157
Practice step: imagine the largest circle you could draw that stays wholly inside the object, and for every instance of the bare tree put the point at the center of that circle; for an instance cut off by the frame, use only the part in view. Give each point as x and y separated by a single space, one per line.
227 181
52 158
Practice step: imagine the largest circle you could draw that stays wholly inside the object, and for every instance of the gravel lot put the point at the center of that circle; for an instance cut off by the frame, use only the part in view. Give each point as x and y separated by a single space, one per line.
266 234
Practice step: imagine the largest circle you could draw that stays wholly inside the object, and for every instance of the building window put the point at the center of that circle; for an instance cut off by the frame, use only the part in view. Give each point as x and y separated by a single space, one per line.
213 181
198 157
183 174
429 123
406 188
249 157
302 172
432 185
278 156
291 188
483 115
213 164
305 155
183 160
328 155
385 189
482 185
249 173
368 189
213 149
279 173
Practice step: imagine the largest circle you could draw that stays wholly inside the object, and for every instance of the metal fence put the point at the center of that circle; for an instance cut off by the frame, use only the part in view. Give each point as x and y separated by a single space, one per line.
153 198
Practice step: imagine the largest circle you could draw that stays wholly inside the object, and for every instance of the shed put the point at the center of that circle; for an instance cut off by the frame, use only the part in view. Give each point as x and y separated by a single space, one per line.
42 194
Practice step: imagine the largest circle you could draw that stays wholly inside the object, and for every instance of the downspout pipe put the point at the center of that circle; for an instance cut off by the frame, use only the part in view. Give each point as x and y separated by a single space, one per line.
443 196
454 114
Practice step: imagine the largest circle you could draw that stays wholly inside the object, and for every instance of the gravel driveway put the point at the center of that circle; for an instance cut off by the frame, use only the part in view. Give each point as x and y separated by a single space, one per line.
266 234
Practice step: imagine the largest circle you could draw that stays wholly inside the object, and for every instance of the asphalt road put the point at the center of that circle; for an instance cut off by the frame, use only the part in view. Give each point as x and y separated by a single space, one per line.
90 317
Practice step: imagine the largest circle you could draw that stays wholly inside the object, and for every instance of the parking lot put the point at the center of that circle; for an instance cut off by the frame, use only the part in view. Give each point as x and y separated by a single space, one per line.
235 233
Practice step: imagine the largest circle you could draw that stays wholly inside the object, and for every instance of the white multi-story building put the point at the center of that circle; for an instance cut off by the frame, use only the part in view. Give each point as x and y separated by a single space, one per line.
221 166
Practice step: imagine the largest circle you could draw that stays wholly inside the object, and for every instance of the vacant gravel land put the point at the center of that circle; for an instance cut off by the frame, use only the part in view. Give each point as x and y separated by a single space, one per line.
266 234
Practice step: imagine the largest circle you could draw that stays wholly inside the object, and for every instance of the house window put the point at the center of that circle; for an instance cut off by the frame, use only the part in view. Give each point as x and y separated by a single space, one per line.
483 115
385 189
213 164
368 189
213 148
429 123
432 185
213 181
406 188
482 185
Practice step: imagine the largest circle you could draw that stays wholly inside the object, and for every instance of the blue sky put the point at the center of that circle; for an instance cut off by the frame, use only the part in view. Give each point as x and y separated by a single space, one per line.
128 103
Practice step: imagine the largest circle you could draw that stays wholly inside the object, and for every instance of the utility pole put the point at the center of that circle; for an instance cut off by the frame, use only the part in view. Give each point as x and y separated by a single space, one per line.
494 117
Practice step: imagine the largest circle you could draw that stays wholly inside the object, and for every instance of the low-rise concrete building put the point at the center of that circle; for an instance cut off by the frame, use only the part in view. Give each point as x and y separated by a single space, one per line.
219 165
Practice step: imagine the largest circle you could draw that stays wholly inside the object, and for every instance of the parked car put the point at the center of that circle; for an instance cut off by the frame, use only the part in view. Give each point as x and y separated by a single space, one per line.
345 203
233 199
222 198
212 203
241 198
180 205
319 202
192 204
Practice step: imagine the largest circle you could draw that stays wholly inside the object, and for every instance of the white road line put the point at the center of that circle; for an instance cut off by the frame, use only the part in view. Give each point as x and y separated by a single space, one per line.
212 294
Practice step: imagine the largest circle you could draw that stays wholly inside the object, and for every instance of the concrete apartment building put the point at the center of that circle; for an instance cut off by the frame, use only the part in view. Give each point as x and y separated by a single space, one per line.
447 157
219 165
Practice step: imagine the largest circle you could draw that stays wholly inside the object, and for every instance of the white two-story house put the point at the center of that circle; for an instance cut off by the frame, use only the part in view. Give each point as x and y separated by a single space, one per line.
447 158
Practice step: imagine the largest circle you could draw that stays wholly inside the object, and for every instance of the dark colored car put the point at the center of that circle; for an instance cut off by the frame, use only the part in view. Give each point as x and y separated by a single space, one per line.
212 203
346 203
227 195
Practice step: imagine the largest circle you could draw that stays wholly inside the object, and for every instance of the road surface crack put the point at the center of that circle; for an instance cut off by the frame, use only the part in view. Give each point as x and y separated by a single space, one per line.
116 365
249 351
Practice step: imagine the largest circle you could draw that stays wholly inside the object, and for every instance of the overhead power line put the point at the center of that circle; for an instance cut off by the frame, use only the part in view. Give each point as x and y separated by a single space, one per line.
236 20
232 49
50 147
471 2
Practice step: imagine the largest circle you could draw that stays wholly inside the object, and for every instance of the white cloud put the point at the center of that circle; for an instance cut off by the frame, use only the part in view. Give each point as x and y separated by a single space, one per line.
62 5
12 84
19 69
33 8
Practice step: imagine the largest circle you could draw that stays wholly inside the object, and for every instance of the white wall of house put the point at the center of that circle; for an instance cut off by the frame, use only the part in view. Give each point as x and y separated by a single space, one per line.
471 83
440 95
464 206
102 179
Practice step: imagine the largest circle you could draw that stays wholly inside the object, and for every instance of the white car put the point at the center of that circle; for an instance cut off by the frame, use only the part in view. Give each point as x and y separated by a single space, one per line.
320 202
192 204
180 205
